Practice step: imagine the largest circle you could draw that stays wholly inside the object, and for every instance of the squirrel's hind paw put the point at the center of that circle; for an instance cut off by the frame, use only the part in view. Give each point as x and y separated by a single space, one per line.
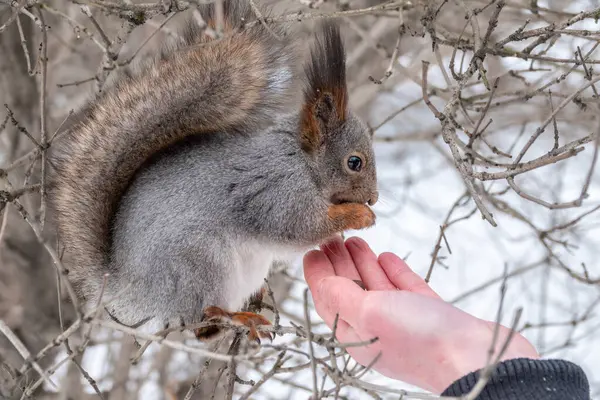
247 319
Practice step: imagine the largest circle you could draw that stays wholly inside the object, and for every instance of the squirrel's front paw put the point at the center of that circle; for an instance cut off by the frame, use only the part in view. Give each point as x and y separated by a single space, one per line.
351 216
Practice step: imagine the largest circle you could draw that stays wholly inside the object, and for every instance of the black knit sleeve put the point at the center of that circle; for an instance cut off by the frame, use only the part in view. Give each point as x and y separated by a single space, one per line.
524 378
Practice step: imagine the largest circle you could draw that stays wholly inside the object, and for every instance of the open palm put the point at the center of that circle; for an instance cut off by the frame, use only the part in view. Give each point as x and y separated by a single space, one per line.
422 340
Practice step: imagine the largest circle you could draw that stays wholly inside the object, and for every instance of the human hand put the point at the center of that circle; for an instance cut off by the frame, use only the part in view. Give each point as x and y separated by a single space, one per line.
422 339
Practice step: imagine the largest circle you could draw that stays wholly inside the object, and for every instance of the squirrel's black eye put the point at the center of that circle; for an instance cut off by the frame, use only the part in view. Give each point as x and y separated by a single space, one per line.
354 163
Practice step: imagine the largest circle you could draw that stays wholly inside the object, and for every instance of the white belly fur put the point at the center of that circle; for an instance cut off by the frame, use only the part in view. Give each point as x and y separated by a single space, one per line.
252 262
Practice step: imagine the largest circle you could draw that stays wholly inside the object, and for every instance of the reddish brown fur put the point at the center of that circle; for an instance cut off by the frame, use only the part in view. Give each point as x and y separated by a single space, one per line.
326 73
248 319
340 98
350 216
310 126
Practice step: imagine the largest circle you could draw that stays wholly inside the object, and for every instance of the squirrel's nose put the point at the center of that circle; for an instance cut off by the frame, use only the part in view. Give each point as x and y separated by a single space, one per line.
374 198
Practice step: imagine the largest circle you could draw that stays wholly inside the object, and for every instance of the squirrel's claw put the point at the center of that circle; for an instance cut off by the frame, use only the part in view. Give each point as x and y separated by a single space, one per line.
266 335
247 319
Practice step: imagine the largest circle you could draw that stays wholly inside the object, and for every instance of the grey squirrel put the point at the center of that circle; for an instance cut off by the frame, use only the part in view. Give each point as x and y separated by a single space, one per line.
187 178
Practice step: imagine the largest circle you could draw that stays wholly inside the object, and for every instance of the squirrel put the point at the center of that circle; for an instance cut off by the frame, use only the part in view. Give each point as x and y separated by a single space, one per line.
177 187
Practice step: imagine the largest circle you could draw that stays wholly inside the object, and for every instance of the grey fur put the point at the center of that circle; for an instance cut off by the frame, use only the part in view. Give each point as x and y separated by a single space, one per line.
190 212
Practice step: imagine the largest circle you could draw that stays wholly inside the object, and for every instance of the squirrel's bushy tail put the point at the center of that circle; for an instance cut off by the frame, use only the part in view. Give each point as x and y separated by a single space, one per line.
198 86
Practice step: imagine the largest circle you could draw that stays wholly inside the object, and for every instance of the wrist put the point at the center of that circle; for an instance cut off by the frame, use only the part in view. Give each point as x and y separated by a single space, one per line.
468 348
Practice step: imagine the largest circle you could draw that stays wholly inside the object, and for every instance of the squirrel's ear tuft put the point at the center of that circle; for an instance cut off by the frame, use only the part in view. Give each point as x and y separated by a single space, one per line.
326 95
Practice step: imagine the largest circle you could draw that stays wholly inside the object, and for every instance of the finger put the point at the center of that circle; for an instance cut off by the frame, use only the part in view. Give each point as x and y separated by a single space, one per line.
337 295
317 267
340 259
367 265
403 277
